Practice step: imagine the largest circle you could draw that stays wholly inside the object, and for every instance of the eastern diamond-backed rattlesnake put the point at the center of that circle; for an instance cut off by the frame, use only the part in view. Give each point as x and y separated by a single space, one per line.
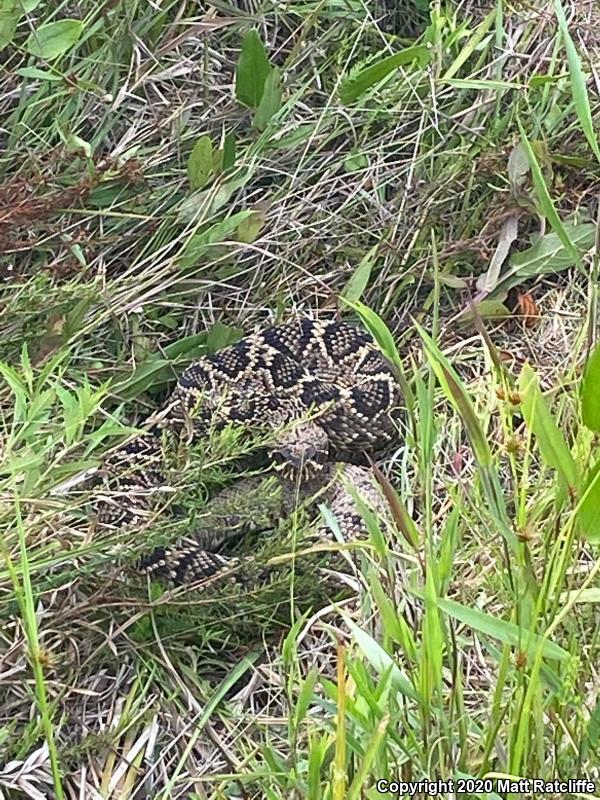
323 385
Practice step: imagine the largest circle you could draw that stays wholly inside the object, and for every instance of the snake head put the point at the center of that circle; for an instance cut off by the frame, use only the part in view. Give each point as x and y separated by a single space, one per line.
301 452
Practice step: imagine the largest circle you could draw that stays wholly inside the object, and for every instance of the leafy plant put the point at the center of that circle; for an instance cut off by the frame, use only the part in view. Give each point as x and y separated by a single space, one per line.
257 83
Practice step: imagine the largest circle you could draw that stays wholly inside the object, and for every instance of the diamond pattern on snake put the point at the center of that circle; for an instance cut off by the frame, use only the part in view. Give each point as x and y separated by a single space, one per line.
326 392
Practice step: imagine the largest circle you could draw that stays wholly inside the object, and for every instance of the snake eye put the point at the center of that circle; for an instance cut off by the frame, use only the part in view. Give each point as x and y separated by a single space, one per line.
310 453
283 457
294 458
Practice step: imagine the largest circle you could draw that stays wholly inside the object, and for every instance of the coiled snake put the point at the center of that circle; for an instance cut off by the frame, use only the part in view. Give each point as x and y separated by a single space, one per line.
323 386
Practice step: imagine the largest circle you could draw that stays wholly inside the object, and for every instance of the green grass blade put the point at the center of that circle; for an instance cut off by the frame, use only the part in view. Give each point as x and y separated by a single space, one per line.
588 511
590 392
550 439
457 395
357 83
27 604
353 290
380 660
471 45
373 749
502 630
578 82
340 767
546 204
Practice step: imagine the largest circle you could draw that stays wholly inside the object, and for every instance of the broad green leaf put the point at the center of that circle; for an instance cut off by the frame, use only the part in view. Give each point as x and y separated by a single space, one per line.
207 202
21 462
546 204
318 749
542 80
547 255
200 163
471 45
452 281
215 234
578 82
518 166
26 369
105 196
432 638
356 161
306 695
508 233
249 228
574 161
27 6
37 74
75 144
217 161
500 629
224 193
54 38
221 335
357 83
593 727
486 309
193 346
388 613
270 102
228 151
589 595
10 14
14 380
399 511
590 392
380 660
295 137
252 70
457 395
374 751
157 370
588 513
359 279
551 441
72 416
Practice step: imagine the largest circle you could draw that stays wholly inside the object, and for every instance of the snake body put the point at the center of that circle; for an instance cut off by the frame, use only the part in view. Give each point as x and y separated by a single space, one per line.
323 387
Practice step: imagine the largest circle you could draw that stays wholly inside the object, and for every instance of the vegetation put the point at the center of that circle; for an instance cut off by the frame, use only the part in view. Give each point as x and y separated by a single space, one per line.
176 173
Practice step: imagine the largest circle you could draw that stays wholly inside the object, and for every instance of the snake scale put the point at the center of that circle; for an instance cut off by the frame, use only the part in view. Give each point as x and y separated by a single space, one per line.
326 392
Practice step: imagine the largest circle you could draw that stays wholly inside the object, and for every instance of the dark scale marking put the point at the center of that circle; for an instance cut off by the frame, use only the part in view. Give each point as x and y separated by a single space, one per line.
182 566
313 391
376 394
190 561
372 363
290 339
362 404
343 341
275 337
245 413
195 376
285 372
234 361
